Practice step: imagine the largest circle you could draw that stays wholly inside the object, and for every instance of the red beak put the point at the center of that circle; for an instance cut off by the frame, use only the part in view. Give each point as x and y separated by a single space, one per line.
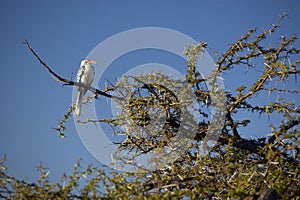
91 62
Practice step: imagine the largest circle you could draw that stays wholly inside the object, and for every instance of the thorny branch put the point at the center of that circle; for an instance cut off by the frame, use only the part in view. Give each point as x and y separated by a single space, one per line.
232 57
235 168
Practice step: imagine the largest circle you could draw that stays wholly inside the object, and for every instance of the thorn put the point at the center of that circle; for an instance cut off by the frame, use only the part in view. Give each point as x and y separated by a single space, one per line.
268 65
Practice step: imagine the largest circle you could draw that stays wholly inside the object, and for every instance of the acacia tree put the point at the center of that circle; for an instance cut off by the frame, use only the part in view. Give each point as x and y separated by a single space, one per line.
236 167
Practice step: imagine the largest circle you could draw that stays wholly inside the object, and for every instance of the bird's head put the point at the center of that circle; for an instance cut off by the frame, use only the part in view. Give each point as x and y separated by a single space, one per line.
89 62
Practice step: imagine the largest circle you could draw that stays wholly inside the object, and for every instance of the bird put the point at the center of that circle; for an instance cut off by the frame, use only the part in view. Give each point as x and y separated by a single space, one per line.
85 75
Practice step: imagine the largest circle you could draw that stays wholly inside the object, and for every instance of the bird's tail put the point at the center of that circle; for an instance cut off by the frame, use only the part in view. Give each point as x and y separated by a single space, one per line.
79 102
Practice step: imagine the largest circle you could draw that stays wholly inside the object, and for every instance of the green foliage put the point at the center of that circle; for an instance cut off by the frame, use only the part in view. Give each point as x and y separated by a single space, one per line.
236 168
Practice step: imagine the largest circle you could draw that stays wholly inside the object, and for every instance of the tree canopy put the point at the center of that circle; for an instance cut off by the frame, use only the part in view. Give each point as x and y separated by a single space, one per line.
236 167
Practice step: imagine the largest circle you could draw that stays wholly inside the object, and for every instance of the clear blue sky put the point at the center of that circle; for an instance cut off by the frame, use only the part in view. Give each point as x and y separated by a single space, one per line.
64 32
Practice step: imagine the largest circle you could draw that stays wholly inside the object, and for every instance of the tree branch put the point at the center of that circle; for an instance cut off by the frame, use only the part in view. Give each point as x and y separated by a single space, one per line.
66 81
284 128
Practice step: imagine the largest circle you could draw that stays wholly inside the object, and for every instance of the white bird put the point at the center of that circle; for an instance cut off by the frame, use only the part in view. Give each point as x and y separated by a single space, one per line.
85 75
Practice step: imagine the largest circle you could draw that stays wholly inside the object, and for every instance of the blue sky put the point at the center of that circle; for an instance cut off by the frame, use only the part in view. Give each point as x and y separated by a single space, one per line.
64 32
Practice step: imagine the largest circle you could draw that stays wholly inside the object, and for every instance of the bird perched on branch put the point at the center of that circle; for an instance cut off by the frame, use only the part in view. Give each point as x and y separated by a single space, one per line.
85 75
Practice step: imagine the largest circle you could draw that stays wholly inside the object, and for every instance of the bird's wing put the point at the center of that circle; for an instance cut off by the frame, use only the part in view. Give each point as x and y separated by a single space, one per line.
90 75
80 74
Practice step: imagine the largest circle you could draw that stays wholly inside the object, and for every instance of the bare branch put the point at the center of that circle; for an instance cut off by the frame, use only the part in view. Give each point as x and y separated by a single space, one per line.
66 81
